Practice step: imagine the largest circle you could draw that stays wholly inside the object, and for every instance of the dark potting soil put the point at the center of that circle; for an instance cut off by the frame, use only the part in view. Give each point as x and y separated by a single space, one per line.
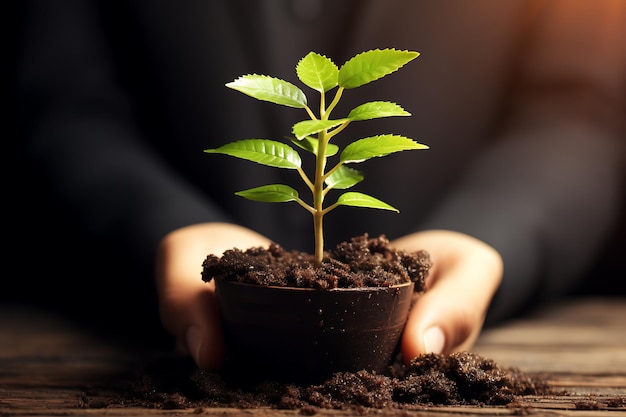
458 379
360 262
462 378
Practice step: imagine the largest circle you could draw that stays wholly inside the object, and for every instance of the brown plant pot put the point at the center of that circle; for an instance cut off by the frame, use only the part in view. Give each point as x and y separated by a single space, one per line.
304 335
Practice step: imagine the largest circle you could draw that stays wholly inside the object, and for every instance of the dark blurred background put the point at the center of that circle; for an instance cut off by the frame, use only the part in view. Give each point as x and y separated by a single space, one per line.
40 239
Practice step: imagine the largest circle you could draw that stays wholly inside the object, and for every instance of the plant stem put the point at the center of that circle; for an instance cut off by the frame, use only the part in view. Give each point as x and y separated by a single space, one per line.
318 184
319 236
318 197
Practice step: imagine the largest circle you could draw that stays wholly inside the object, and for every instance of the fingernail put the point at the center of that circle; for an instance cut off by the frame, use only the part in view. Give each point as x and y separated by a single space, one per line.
434 340
194 342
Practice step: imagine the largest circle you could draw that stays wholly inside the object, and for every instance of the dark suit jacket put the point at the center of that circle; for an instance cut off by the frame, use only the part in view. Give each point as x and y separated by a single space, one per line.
518 100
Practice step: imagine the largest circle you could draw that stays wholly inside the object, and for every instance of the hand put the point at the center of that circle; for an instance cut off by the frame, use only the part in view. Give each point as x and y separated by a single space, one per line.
187 305
465 275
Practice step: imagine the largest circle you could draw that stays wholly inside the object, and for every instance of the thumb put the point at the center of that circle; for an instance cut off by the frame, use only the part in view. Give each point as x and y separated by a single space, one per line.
449 315
441 323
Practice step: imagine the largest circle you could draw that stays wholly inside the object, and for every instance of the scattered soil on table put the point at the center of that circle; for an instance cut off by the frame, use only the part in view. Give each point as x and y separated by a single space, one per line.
458 379
360 262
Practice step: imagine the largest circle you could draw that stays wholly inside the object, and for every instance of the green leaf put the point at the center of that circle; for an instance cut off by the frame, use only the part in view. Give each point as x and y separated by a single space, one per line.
375 110
262 151
273 193
344 177
318 72
376 146
274 90
311 144
371 65
311 127
363 200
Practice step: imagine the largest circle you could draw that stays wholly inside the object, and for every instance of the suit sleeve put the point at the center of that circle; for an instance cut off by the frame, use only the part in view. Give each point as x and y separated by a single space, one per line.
545 194
82 134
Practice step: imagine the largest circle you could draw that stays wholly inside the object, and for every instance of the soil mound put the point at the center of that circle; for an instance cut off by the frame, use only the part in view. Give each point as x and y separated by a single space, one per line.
360 262
458 379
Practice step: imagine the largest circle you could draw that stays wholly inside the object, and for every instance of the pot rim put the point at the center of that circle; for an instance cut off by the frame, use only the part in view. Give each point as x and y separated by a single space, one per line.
338 289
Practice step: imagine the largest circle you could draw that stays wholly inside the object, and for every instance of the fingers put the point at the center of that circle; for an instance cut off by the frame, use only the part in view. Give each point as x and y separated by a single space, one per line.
187 305
449 315
192 316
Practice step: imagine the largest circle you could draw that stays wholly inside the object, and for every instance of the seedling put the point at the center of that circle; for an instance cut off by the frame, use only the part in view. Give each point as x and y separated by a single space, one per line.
314 134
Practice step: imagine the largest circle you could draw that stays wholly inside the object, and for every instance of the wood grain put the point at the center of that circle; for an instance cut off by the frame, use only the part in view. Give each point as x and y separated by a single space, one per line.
51 366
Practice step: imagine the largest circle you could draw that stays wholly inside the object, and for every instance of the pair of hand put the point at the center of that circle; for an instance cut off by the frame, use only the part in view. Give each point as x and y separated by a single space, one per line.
448 317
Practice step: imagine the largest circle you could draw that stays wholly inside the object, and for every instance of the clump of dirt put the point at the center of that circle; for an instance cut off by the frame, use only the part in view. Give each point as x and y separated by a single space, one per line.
458 379
360 262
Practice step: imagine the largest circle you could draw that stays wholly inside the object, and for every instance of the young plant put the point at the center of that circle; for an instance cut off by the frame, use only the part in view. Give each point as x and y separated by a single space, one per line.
314 134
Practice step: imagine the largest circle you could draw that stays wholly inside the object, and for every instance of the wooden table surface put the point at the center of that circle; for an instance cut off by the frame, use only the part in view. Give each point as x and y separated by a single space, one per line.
47 363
